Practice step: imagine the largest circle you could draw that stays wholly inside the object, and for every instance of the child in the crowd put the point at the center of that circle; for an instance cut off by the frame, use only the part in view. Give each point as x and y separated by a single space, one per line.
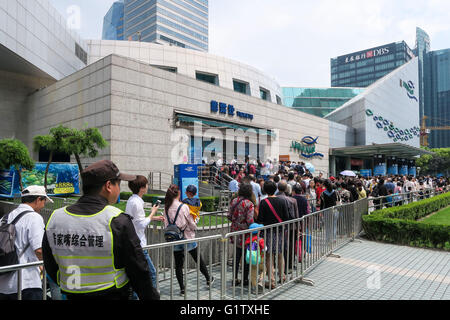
257 244
194 204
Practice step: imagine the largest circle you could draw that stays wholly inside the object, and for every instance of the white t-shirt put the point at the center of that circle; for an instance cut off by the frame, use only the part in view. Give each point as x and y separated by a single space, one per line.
29 230
135 208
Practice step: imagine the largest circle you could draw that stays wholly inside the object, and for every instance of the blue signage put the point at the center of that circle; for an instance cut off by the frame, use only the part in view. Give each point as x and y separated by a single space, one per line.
380 170
229 109
185 175
393 169
403 170
366 172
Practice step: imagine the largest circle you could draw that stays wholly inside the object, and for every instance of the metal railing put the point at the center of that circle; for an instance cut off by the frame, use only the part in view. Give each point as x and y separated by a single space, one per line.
160 181
399 199
294 249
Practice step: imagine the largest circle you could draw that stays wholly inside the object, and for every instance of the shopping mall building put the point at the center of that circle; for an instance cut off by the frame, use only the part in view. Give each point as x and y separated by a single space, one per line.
160 105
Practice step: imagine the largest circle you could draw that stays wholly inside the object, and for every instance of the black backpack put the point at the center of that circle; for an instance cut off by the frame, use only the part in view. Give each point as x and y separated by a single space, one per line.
172 232
8 250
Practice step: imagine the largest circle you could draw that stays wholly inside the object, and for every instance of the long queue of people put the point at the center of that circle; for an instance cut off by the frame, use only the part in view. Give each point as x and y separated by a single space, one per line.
290 194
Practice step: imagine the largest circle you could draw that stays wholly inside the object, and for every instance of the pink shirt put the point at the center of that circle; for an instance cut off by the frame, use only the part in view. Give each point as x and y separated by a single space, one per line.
185 221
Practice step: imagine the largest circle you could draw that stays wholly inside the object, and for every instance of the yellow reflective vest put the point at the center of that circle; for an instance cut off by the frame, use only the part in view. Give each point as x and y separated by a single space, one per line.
82 246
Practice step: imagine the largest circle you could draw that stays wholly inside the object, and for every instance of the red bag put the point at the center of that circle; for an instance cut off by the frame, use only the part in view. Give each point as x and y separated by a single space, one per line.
298 249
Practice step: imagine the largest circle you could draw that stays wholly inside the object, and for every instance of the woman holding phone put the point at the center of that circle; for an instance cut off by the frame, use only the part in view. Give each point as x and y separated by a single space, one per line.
135 209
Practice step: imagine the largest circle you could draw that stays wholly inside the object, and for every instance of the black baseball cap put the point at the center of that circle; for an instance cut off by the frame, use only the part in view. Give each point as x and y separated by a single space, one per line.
102 171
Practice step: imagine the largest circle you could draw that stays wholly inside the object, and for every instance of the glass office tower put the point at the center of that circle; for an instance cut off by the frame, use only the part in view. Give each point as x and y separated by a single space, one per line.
182 23
437 96
113 22
318 101
422 48
361 69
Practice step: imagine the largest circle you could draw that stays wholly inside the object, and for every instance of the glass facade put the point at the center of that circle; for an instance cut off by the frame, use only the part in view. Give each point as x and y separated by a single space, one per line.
422 48
361 69
113 22
437 96
182 23
318 101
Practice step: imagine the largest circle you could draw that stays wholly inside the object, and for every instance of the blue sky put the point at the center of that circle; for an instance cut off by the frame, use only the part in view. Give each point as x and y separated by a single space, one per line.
293 40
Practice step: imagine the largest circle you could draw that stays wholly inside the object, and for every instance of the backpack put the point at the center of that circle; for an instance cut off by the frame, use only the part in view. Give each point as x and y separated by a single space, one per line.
375 192
8 250
172 232
255 258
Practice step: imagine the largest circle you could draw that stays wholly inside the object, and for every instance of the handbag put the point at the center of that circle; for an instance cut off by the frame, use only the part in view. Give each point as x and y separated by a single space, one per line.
298 246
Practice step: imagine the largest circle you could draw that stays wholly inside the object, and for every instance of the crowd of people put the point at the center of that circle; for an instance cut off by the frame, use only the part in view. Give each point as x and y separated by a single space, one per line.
292 192
93 234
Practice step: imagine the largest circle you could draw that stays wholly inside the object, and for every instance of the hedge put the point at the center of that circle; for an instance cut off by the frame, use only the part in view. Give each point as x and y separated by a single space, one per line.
398 224
209 204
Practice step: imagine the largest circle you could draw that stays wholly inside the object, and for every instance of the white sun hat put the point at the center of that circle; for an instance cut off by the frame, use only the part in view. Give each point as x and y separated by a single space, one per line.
36 191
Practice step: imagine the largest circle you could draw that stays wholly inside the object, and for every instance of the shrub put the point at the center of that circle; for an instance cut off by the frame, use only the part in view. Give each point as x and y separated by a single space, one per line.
398 225
209 204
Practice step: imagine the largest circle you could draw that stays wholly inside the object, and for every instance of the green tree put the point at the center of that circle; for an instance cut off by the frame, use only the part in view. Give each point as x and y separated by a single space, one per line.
15 153
55 142
86 142
435 164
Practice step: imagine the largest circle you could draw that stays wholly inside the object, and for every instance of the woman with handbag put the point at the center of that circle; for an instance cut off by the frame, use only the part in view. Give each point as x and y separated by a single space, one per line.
241 214
178 213
273 210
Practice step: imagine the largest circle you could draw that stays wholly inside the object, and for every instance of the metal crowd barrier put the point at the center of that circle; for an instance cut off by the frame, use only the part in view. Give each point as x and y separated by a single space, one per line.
400 199
318 234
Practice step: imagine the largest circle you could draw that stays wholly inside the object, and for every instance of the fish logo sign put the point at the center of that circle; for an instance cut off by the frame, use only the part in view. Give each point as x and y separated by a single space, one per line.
307 147
409 86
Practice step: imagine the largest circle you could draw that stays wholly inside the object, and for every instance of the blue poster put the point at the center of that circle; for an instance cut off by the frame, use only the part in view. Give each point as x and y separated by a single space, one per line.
393 170
403 170
9 183
412 171
366 172
62 179
380 170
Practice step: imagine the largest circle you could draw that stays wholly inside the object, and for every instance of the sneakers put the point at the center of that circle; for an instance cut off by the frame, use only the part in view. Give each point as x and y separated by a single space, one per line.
182 292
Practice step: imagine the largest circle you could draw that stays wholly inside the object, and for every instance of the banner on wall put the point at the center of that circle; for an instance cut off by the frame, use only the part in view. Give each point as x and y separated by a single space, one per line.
366 172
62 179
380 169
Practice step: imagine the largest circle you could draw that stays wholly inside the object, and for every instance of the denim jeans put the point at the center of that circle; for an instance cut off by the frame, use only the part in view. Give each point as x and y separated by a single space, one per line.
152 273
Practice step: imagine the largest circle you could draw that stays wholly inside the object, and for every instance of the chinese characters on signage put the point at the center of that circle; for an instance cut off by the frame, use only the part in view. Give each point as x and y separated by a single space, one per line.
76 240
368 54
228 109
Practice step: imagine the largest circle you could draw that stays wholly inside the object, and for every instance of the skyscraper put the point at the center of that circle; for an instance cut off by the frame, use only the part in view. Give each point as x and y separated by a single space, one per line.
437 96
113 22
182 23
361 69
421 49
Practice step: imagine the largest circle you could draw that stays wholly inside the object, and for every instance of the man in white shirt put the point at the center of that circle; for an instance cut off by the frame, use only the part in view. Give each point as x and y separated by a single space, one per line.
256 189
135 209
233 186
29 234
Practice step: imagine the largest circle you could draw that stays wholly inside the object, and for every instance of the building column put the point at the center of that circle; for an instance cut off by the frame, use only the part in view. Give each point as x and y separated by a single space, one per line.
333 166
348 163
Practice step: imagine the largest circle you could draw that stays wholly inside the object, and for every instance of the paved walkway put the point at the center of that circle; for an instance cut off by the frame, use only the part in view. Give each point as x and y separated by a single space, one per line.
375 271
365 271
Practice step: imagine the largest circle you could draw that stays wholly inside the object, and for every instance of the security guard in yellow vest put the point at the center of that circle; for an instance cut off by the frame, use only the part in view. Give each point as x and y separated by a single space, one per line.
91 249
